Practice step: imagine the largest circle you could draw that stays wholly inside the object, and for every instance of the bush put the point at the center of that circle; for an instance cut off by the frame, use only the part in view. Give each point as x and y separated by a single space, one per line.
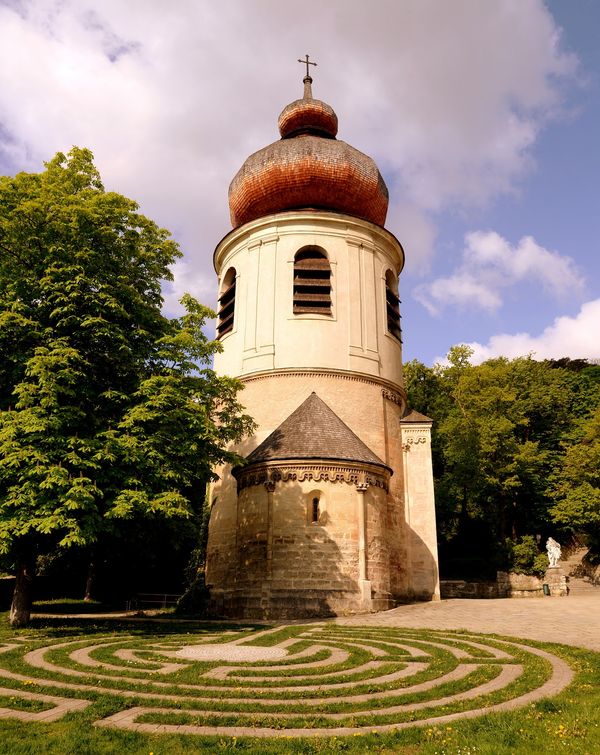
194 601
525 558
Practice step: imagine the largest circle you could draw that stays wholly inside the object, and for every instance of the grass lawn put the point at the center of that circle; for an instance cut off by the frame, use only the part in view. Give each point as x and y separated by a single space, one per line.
322 678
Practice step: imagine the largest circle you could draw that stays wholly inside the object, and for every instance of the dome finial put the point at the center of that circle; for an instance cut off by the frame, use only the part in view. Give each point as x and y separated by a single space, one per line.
307 80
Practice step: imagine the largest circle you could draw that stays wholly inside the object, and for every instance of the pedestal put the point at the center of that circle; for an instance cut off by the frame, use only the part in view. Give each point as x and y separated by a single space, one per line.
556 581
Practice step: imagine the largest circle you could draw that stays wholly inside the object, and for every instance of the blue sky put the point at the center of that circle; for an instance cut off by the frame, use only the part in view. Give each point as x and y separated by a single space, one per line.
483 118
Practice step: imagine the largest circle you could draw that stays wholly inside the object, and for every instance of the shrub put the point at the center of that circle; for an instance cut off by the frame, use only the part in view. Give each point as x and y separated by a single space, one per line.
525 558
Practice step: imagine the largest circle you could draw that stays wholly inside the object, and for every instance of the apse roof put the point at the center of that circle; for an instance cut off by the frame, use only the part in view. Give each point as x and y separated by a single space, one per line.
313 431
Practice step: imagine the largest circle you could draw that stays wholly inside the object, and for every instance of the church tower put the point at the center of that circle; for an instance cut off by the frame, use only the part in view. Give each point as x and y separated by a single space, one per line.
333 511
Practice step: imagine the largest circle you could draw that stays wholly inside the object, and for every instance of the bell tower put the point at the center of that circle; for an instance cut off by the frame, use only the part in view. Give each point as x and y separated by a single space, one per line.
333 511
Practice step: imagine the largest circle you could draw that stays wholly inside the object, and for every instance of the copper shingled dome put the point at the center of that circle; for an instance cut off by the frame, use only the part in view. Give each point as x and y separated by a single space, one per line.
308 167
308 117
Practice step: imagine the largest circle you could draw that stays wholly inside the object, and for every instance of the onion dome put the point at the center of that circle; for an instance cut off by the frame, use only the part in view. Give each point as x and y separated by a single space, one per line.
308 116
308 168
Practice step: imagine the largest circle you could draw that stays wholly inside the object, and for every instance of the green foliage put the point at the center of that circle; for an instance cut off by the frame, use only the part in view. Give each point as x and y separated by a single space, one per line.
576 482
108 410
524 557
515 451
196 595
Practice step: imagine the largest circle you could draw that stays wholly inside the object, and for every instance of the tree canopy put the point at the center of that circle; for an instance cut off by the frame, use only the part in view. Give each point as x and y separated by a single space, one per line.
108 409
513 449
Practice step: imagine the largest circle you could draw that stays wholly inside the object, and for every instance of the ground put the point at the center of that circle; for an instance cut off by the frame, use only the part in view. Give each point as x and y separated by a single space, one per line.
574 620
456 676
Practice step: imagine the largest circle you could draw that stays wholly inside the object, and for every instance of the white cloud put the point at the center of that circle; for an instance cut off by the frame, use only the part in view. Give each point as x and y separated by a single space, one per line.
490 264
461 289
187 280
448 97
417 233
575 337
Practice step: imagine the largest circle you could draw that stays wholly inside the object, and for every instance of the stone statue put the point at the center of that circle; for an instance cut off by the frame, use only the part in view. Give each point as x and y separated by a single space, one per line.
553 549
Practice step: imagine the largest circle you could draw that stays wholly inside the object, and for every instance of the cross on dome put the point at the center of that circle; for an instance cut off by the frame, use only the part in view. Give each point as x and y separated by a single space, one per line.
307 80
307 62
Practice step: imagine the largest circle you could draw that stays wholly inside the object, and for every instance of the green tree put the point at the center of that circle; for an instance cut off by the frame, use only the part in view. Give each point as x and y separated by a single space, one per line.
576 482
108 409
499 432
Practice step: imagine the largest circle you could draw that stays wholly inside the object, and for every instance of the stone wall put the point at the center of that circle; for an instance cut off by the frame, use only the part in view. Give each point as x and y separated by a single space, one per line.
513 585
460 588
508 585
287 565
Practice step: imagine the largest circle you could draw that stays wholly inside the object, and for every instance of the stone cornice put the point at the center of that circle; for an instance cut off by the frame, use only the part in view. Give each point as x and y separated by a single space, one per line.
390 391
274 472
282 223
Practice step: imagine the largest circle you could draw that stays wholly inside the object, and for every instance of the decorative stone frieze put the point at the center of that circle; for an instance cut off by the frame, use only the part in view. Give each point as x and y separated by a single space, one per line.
392 396
271 474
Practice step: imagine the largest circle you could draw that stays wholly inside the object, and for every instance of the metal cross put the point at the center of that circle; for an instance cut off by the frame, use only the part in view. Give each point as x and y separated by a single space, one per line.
307 62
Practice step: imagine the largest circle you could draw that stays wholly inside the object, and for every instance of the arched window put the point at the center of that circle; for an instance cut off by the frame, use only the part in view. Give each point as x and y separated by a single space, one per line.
316 508
315 511
226 304
392 305
312 282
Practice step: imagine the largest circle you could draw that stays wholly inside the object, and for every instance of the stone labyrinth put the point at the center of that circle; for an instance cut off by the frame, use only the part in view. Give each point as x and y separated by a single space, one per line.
308 680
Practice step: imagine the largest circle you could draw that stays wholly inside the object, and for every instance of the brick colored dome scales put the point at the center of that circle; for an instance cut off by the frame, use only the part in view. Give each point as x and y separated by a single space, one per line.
308 168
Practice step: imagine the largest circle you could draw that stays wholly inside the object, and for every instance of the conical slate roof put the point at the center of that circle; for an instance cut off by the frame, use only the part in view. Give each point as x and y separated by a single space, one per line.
313 431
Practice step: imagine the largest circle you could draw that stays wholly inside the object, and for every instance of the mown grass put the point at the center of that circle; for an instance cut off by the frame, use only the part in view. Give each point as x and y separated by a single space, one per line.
19 703
569 722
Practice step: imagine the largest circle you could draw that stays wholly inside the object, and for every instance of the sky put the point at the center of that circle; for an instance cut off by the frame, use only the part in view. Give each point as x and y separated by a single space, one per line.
483 118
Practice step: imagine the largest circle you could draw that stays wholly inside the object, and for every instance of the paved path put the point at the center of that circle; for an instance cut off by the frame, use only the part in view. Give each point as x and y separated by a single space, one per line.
574 620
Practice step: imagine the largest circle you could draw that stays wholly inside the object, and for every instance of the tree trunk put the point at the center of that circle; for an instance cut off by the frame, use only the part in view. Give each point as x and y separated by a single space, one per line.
89 582
20 609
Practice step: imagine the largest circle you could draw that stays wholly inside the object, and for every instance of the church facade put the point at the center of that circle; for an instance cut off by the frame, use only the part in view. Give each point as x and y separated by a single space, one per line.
333 510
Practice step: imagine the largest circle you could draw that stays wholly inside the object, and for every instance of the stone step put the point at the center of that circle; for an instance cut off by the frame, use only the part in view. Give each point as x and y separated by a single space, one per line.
582 587
578 584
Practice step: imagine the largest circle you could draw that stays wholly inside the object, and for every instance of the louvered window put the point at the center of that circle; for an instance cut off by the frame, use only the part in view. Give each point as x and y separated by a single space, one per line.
392 305
226 304
312 282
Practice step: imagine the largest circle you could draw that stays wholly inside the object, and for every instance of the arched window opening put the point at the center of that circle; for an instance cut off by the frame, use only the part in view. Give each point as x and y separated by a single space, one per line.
226 304
392 304
312 282
315 511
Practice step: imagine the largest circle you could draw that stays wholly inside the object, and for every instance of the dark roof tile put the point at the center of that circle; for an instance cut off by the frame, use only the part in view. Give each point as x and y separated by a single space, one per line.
313 431
412 415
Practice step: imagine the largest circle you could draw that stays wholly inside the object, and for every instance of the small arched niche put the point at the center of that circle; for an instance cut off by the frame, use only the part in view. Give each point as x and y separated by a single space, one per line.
392 305
315 508
225 315
312 281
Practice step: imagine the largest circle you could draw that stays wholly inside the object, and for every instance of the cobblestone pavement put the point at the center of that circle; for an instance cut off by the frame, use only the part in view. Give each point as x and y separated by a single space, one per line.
573 620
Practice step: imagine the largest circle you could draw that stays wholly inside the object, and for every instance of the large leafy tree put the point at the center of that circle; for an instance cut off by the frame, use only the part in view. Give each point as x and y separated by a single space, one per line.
108 409
501 430
576 482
